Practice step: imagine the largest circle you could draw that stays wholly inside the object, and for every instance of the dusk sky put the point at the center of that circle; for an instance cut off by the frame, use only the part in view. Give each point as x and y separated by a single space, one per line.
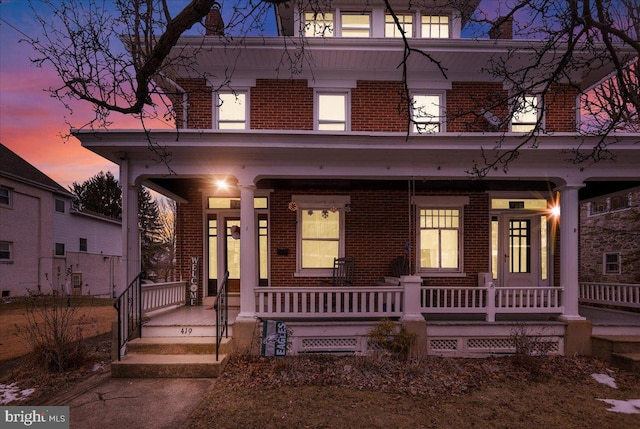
32 124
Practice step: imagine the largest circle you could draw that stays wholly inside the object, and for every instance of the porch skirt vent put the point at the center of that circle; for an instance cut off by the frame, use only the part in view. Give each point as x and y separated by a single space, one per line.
328 345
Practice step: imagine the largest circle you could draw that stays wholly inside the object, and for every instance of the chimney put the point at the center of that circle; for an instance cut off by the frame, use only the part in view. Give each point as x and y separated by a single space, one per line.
213 23
502 28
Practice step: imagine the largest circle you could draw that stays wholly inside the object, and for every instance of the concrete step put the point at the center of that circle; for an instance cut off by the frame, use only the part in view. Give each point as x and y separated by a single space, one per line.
168 366
187 331
605 345
626 361
177 345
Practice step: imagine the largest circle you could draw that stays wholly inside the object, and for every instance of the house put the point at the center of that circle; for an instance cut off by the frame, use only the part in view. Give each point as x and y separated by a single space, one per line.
46 245
277 175
609 232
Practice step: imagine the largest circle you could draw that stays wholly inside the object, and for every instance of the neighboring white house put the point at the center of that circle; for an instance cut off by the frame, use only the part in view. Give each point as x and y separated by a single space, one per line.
46 246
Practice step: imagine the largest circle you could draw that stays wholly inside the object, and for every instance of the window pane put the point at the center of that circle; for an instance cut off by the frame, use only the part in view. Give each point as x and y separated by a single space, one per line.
213 248
435 27
332 112
5 250
544 245
449 242
233 251
355 25
429 249
318 24
525 114
316 226
232 111
319 254
426 113
391 28
5 198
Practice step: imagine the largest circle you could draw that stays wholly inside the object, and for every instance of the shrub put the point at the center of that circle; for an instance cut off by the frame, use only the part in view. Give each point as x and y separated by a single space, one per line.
387 336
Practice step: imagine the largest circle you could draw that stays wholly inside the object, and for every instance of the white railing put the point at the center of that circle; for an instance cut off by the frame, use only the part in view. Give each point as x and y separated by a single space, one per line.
491 300
330 302
160 295
618 294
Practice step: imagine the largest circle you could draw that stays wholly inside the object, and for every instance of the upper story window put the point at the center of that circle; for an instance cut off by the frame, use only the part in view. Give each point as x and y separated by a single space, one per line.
426 113
318 24
83 244
6 251
405 21
611 263
232 110
526 113
355 25
332 111
5 197
59 249
435 26
59 205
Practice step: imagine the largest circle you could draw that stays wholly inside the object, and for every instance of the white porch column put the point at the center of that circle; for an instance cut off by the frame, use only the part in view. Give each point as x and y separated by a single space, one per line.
569 246
130 231
248 252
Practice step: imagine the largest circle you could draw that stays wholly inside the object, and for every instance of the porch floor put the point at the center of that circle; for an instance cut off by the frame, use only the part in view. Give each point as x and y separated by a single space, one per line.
199 315
606 317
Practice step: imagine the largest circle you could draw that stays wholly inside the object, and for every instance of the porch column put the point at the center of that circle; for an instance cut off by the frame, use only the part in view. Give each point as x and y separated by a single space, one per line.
130 232
577 338
248 252
569 247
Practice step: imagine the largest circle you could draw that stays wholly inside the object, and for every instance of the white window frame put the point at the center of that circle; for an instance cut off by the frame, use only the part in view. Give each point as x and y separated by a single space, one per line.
304 203
416 121
433 25
86 244
605 264
7 195
390 24
441 203
57 201
7 247
349 28
525 107
217 104
319 122
323 27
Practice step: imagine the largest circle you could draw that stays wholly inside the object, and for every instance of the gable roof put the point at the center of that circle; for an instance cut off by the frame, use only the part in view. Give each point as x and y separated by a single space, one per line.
16 168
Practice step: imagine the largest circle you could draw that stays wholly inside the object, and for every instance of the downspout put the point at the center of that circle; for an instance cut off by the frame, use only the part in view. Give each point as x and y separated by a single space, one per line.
185 98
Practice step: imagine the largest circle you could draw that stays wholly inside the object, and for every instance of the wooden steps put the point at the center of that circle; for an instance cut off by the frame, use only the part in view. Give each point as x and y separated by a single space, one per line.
622 351
172 357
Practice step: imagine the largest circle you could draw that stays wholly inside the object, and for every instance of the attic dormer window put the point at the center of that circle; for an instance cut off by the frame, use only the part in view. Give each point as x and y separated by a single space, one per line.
318 24
435 27
405 21
356 25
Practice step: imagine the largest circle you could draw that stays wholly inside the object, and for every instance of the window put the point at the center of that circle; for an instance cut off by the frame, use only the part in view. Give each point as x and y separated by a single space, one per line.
355 25
232 110
59 205
6 251
598 207
426 113
391 28
332 111
611 263
318 24
59 250
439 239
83 244
435 27
619 202
5 197
525 114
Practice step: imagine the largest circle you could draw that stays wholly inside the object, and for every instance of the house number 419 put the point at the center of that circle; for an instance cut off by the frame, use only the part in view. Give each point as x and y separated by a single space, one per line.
186 331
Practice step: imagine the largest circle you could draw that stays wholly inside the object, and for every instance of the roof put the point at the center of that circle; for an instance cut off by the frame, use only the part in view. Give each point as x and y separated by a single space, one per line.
16 168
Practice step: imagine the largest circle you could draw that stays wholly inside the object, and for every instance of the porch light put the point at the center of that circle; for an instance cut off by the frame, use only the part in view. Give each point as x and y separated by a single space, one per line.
222 184
554 211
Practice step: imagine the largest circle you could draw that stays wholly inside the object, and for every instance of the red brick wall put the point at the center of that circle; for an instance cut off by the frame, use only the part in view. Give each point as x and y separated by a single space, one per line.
466 101
189 238
378 106
561 109
281 105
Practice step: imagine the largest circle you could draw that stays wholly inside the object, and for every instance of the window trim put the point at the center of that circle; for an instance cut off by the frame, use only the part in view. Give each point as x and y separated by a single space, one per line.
9 250
55 250
347 108
328 30
435 203
422 25
9 197
55 205
80 244
605 264
319 202
217 104
539 113
408 35
442 123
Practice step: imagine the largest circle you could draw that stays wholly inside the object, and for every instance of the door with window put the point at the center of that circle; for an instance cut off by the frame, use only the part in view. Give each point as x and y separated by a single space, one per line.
223 250
523 250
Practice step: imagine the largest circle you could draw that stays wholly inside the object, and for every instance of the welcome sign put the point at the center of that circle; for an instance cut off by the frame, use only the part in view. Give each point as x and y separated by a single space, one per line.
193 281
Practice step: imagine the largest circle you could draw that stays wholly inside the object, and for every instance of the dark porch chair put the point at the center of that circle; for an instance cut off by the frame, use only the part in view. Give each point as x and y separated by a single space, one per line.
343 269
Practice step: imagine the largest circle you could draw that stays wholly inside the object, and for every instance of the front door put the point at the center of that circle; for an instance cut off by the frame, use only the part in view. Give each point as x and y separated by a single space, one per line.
523 250
223 251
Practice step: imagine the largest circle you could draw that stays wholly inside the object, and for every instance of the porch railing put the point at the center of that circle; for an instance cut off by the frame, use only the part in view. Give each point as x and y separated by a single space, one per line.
221 306
129 308
491 300
330 302
618 294
156 296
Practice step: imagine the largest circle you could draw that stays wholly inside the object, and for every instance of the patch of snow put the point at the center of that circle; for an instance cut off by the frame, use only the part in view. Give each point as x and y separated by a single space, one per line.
605 379
629 406
97 367
11 392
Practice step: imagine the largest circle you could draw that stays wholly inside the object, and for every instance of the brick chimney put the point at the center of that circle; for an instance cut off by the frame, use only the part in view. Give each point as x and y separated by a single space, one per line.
213 23
502 28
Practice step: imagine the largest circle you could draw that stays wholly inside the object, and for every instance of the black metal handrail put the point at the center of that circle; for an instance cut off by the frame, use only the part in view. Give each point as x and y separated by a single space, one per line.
221 306
129 307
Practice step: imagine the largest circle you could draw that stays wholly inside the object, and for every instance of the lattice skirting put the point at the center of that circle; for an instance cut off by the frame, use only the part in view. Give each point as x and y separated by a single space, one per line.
461 346
328 344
